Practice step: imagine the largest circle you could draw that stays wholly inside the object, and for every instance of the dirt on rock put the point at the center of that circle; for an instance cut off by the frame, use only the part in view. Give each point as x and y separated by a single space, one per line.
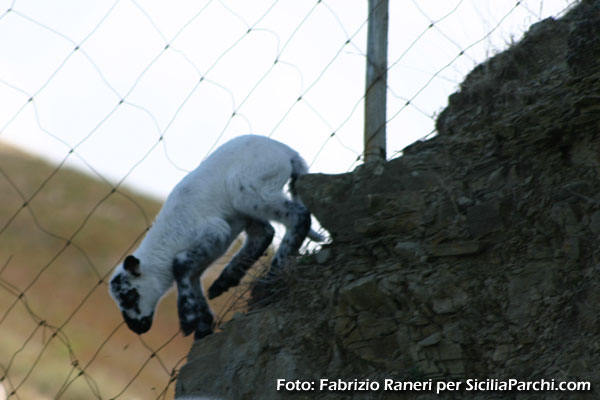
474 255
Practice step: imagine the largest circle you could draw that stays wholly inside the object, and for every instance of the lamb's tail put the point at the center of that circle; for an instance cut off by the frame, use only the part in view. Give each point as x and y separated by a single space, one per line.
299 168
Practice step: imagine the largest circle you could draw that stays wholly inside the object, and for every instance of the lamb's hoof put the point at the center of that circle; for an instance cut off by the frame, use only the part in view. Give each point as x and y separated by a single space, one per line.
202 330
215 291
219 287
188 327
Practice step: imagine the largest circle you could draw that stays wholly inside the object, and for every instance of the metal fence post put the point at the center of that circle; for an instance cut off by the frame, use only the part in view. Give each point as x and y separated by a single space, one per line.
376 82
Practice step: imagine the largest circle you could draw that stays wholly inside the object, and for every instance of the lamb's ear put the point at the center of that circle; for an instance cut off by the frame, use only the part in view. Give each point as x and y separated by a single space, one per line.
132 265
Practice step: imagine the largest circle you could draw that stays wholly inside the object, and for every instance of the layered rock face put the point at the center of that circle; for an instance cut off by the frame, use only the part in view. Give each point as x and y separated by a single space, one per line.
473 255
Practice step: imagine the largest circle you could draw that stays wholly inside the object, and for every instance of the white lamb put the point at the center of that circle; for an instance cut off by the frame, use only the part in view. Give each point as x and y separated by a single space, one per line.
238 187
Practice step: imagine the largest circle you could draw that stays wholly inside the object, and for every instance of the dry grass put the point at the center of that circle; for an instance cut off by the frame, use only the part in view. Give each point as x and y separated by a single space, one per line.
57 320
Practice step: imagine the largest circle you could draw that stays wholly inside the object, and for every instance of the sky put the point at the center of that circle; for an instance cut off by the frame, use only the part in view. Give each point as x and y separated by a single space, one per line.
139 92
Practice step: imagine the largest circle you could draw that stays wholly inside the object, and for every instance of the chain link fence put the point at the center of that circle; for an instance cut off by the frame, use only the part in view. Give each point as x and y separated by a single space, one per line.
134 94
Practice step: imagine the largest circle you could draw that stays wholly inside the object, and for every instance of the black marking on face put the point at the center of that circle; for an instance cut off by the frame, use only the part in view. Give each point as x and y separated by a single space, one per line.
132 265
128 297
138 325
116 282
130 300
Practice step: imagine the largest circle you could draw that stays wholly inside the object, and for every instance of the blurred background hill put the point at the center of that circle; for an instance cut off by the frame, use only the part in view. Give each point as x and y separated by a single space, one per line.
57 252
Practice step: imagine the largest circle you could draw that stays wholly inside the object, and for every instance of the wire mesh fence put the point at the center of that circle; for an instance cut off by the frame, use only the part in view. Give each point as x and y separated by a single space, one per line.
134 94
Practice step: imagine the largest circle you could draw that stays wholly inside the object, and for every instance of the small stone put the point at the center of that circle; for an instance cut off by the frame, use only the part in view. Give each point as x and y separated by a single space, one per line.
502 352
595 222
535 250
454 300
380 252
450 351
366 294
464 201
484 218
454 248
571 248
579 368
363 225
323 256
454 333
407 249
431 340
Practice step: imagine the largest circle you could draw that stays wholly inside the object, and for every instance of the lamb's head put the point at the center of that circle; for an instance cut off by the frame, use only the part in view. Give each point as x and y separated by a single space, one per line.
133 293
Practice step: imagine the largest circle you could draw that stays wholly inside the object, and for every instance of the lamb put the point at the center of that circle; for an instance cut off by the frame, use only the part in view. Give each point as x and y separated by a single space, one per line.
237 188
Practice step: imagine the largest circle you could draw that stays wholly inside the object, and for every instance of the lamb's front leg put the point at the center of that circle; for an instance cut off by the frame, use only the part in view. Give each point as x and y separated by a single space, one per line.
194 313
259 237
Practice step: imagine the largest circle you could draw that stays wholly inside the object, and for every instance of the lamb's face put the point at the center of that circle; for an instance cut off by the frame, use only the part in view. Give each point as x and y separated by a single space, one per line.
127 291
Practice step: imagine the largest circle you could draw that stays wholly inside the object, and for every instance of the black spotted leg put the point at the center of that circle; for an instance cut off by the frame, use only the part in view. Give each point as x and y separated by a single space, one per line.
293 215
194 313
259 236
296 219
204 321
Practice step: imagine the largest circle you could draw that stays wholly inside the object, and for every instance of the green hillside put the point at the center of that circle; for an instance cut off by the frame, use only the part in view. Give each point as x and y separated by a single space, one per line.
61 336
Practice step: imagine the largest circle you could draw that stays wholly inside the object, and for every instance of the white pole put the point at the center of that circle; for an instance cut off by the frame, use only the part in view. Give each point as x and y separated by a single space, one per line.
376 88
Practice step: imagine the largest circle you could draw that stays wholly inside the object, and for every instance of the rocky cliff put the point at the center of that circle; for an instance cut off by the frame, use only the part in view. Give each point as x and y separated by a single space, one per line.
474 255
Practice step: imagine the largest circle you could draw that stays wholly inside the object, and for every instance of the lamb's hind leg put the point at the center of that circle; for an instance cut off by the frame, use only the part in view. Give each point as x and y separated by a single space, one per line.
296 219
259 237
293 215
